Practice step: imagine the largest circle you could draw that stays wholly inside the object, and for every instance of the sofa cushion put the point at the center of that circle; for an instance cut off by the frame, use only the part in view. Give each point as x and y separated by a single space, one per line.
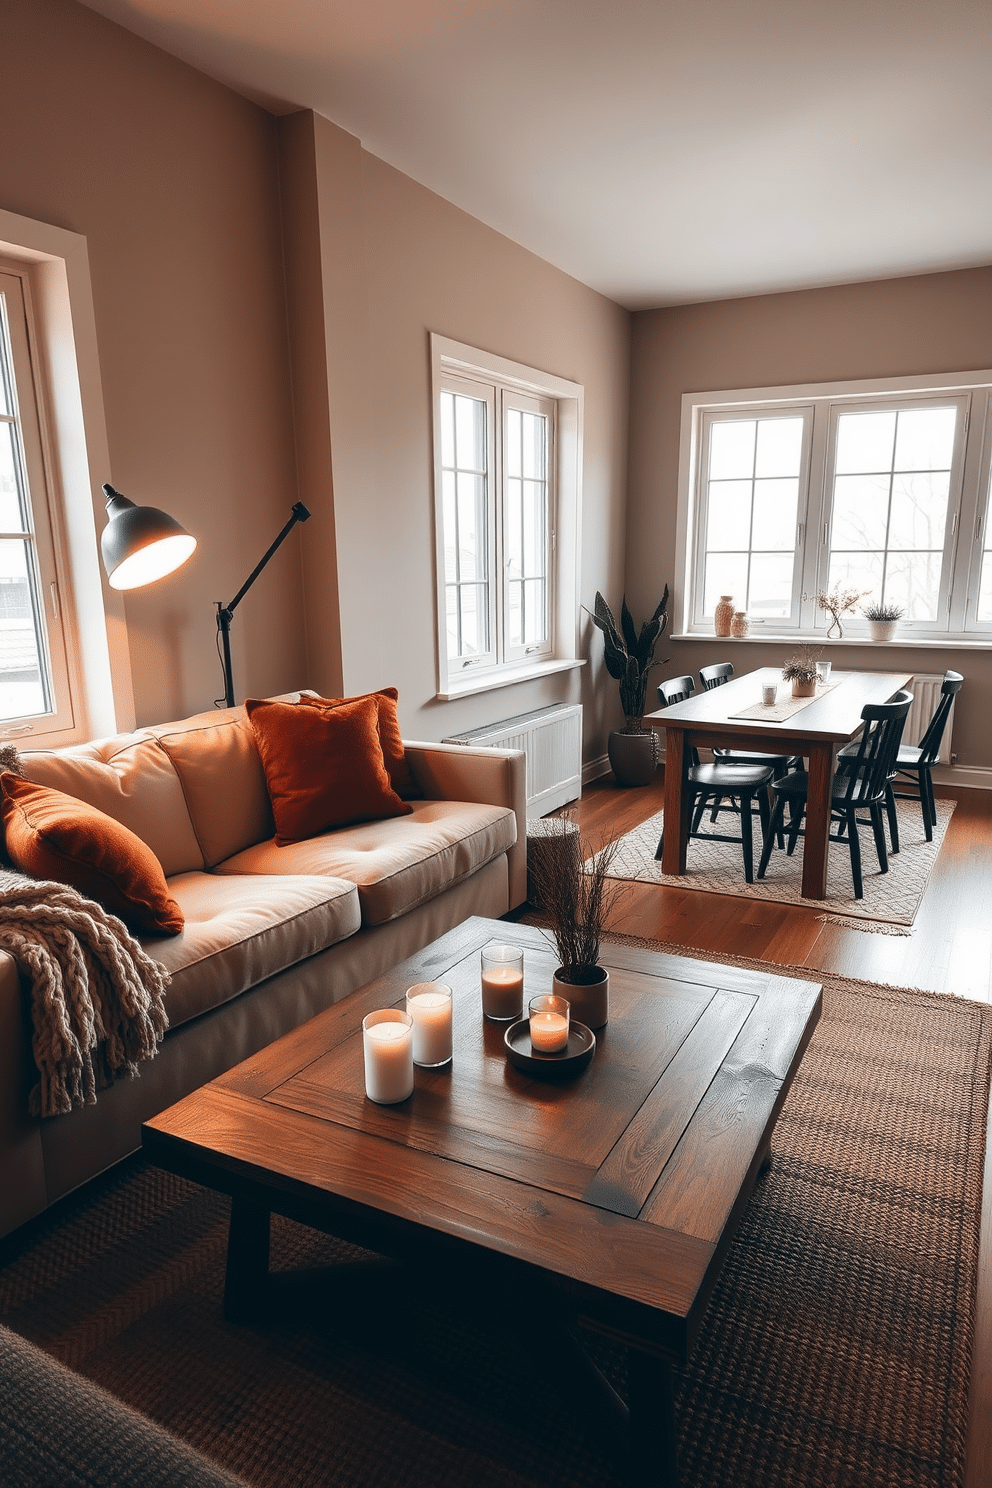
129 778
55 836
390 738
398 863
323 765
217 762
240 931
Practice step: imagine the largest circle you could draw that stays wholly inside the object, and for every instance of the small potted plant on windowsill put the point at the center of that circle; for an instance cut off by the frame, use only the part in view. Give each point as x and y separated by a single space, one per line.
800 670
882 619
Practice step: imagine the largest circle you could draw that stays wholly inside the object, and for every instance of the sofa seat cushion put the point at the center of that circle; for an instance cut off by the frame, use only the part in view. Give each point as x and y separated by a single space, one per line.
239 931
396 863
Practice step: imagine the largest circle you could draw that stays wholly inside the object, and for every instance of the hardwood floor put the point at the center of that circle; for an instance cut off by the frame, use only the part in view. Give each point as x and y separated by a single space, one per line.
949 951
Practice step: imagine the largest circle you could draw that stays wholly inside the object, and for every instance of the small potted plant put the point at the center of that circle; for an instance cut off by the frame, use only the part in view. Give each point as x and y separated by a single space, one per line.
577 902
882 619
800 670
633 750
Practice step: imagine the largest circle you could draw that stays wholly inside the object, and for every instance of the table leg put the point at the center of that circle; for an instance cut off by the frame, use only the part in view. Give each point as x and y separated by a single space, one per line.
822 757
246 1281
652 1453
676 810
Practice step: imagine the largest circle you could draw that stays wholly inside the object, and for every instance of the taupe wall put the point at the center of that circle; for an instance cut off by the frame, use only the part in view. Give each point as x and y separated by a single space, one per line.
896 327
173 179
399 262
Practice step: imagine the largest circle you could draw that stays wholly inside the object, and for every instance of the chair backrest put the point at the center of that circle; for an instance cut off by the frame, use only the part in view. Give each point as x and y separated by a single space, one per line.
929 745
869 770
675 690
716 675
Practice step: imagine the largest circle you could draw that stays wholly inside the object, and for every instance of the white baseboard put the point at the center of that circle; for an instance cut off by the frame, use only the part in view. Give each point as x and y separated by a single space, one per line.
595 768
967 777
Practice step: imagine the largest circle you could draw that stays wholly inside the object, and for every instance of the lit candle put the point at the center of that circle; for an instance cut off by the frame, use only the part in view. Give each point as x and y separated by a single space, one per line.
549 1016
502 982
387 1040
429 1005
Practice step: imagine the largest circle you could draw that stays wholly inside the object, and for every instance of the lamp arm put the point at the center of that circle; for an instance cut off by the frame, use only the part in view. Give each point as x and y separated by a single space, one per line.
225 613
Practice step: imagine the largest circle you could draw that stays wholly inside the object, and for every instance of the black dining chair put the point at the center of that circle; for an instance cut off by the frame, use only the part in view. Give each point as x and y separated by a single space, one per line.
715 676
860 786
744 783
918 760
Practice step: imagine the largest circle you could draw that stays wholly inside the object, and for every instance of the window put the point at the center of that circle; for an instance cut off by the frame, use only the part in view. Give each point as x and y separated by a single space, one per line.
506 477
785 493
34 681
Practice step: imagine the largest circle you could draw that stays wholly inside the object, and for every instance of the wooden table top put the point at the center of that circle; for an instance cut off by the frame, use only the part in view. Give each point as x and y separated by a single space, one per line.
621 1188
835 715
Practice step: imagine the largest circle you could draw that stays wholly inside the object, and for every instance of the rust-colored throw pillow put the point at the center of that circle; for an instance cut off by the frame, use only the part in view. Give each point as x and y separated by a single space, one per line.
52 835
323 766
390 737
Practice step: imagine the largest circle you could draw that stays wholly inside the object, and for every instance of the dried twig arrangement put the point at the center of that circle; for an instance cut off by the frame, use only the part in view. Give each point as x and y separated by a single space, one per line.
577 901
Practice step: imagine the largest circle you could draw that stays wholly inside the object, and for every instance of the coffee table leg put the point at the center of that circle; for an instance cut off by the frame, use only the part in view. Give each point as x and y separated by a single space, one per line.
652 1456
246 1281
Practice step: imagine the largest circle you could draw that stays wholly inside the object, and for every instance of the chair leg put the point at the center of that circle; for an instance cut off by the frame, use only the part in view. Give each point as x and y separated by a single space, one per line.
747 838
854 842
890 808
878 828
928 803
795 822
698 810
772 831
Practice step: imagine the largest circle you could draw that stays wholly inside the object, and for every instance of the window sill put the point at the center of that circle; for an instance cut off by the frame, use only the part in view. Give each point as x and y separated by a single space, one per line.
917 643
490 681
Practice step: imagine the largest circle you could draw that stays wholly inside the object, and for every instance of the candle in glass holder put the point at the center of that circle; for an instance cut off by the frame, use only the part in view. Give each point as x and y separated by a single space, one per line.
429 1005
502 982
549 1016
387 1040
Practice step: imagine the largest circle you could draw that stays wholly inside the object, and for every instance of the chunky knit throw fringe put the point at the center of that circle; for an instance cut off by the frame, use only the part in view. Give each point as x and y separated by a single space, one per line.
96 999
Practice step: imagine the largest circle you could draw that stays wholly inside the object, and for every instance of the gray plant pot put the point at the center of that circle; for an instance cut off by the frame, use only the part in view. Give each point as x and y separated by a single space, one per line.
589 1001
633 755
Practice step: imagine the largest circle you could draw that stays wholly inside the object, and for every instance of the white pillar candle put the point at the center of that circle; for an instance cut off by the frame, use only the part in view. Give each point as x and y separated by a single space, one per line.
429 1005
549 1017
387 1040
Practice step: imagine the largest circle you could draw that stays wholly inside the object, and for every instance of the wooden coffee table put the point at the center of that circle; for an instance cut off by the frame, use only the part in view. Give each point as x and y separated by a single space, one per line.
609 1201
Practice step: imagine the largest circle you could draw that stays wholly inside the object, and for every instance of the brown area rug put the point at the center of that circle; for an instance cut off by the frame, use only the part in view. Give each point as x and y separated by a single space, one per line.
836 1349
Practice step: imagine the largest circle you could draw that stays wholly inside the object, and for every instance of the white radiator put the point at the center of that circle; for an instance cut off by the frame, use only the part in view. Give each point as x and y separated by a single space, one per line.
551 738
926 695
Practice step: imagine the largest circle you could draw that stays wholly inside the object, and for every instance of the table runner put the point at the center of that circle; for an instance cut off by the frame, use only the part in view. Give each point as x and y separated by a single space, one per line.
779 711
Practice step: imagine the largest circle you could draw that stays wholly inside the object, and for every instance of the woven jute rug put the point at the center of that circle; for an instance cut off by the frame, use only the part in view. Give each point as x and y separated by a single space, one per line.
890 901
836 1349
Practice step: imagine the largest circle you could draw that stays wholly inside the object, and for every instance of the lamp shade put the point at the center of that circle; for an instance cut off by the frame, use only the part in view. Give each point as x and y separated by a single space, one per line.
140 543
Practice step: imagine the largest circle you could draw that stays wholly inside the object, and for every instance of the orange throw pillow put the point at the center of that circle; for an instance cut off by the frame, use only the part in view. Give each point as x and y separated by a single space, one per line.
52 835
393 753
323 766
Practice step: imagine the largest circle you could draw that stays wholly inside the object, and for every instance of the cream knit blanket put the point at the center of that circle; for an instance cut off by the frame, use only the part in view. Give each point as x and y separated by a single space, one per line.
96 998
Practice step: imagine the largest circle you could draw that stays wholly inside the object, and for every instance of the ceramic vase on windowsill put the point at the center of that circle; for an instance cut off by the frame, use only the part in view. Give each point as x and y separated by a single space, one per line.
723 615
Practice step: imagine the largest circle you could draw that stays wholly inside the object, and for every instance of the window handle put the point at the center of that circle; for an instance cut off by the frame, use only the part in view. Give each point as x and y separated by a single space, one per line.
472 661
23 728
54 588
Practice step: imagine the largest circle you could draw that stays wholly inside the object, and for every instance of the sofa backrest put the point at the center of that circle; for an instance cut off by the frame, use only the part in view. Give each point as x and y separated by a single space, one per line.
131 778
219 768
193 790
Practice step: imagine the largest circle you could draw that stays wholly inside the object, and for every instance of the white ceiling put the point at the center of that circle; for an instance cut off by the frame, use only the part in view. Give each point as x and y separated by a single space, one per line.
662 151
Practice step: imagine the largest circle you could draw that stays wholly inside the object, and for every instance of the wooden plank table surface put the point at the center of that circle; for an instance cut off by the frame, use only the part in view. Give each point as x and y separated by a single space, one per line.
612 1198
830 721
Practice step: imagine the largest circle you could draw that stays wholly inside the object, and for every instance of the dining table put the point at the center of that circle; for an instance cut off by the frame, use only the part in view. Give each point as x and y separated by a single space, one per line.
734 716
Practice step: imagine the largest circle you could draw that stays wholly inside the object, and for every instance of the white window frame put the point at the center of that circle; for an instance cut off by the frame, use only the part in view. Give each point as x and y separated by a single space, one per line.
465 368
969 504
66 361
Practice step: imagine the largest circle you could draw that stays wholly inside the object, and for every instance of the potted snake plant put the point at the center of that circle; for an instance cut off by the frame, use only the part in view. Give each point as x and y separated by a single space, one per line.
629 654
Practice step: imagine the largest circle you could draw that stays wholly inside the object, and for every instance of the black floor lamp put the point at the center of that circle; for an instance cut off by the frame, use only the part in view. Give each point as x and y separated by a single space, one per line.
141 543
225 613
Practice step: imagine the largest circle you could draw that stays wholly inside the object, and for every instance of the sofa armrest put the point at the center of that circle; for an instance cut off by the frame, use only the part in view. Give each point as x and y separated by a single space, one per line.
489 777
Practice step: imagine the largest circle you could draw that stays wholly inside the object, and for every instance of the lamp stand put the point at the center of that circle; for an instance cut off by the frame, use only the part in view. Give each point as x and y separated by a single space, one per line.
225 612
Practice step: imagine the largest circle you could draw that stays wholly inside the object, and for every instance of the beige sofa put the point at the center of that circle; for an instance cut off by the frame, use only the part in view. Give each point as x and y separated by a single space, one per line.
273 934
